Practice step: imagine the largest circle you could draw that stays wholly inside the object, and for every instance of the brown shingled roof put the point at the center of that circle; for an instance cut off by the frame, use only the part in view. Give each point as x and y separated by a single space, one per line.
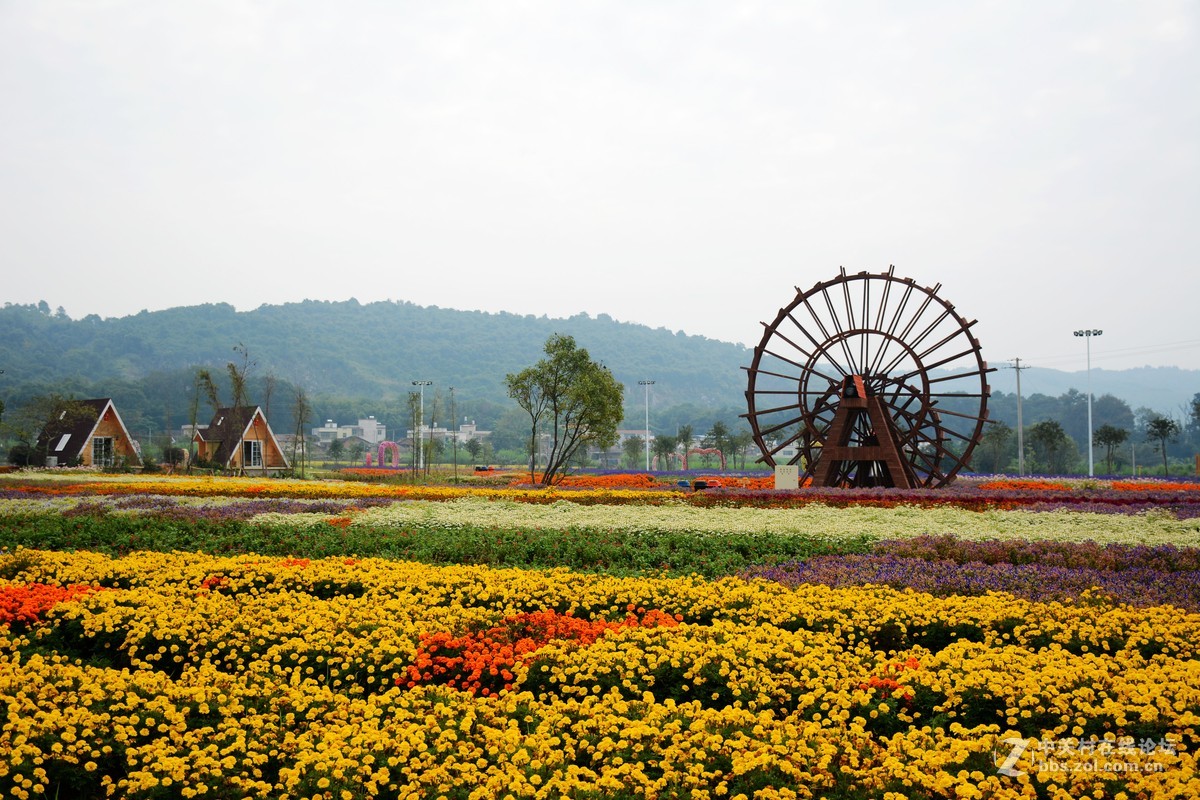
70 428
227 428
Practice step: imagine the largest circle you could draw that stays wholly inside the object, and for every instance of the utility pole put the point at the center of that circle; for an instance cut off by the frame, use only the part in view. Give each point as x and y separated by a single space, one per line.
1020 422
647 384
420 423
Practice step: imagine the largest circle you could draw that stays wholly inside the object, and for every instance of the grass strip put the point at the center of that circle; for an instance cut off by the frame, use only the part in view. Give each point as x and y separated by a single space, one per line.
578 549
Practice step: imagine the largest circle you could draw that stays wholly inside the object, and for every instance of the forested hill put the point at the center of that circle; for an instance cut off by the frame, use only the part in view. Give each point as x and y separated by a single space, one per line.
347 349
354 360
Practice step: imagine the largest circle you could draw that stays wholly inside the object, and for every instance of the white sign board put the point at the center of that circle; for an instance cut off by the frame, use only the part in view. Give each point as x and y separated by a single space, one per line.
787 476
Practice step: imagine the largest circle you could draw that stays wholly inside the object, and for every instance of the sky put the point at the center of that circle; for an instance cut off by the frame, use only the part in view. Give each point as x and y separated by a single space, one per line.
684 165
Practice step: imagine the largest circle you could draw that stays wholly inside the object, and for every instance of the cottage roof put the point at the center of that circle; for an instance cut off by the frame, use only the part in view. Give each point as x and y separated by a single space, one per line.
70 429
227 429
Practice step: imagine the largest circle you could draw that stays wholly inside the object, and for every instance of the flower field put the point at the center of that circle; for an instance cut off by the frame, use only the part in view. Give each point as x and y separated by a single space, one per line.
216 638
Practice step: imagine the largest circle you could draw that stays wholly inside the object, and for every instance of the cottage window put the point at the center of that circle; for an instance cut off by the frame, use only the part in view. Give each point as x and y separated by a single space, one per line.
252 453
102 451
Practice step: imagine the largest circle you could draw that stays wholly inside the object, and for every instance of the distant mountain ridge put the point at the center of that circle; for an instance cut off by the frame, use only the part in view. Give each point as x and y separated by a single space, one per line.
354 350
351 350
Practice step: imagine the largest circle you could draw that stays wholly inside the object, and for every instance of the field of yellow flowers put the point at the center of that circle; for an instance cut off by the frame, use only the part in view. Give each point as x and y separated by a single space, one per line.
188 673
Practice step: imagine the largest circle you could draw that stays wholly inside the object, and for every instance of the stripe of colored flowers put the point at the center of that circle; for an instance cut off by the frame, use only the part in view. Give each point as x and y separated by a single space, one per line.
280 679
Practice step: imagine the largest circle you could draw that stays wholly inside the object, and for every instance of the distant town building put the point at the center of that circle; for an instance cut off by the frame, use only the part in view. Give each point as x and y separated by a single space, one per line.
369 430
465 433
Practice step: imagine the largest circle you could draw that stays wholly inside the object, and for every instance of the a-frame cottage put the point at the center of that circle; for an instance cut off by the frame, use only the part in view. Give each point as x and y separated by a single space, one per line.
87 432
239 438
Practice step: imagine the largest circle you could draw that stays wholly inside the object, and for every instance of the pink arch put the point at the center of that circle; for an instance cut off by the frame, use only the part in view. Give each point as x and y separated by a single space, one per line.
703 451
384 448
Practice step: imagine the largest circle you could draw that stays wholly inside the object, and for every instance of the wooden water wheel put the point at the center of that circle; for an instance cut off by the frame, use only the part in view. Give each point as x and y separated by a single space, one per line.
868 380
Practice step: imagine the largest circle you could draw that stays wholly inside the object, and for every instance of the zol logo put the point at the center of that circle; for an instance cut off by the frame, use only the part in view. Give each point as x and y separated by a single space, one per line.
1006 753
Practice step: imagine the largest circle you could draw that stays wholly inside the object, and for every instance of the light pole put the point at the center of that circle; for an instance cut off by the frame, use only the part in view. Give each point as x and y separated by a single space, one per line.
647 384
1087 335
454 431
420 423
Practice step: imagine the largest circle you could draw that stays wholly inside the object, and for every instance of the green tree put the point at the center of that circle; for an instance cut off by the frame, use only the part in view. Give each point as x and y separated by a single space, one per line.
1049 441
173 454
994 446
511 431
1163 430
26 424
634 449
575 399
354 452
337 449
302 412
239 392
742 442
1110 438
718 437
201 384
474 447
664 448
684 437
206 384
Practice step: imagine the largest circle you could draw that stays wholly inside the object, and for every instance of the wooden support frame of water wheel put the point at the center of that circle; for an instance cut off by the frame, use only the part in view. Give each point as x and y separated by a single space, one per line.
868 380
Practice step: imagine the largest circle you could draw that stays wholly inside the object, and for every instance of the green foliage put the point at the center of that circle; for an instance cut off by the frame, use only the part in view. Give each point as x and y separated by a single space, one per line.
575 400
1110 437
1052 446
1163 430
995 450
633 451
147 362
616 551
664 448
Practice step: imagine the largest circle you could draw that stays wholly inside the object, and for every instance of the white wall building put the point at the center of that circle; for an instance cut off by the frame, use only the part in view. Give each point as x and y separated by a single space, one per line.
369 430
466 431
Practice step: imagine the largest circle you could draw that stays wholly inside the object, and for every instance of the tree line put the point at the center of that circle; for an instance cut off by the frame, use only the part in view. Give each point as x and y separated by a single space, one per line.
1122 439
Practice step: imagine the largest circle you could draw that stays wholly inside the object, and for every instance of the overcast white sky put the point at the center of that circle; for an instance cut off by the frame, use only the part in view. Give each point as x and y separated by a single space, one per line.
676 164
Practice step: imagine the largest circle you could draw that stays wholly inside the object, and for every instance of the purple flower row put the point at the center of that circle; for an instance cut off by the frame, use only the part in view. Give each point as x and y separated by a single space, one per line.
1138 586
1072 555
169 508
1035 570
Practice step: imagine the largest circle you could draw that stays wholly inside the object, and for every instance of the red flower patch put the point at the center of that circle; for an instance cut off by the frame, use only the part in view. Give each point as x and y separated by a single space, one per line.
27 603
483 661
886 684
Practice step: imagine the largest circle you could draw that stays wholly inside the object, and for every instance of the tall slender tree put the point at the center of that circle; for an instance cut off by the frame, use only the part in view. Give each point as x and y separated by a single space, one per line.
718 437
302 413
664 448
1164 430
684 437
1110 438
577 399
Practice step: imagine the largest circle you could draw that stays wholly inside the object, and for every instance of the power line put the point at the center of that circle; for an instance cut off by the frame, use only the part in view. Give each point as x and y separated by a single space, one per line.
1127 351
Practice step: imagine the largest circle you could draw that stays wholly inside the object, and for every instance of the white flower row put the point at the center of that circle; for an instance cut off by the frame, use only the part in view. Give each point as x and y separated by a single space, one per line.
814 521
